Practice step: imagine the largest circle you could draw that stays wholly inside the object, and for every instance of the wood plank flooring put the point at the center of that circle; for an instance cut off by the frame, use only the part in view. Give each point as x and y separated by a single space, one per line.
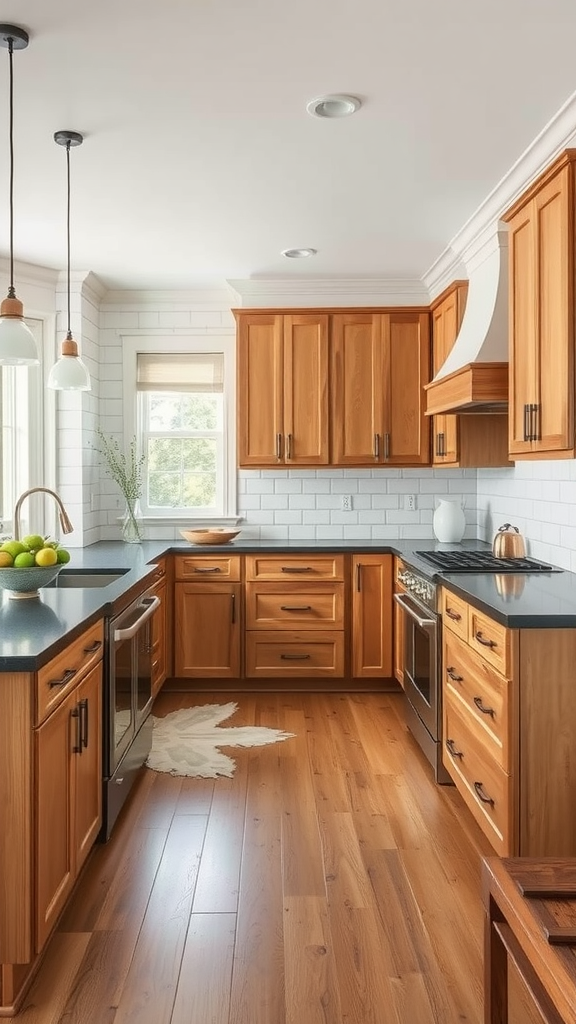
330 881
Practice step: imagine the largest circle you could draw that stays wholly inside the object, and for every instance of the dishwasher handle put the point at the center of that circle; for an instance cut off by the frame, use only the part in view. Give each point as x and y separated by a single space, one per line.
150 605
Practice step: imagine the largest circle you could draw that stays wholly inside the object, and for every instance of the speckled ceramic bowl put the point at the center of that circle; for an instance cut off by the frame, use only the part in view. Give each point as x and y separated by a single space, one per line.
25 582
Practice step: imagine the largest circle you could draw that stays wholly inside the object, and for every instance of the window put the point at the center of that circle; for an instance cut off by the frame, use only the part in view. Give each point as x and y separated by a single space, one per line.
184 423
21 448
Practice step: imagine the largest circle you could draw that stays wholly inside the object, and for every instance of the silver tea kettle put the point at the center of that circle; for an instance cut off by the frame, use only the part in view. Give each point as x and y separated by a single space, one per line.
509 543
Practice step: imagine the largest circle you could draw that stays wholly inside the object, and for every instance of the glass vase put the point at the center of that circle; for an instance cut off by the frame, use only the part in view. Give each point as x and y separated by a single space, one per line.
132 526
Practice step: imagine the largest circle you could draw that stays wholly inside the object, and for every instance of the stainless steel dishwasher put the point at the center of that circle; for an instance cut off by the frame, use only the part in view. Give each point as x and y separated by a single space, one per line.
127 703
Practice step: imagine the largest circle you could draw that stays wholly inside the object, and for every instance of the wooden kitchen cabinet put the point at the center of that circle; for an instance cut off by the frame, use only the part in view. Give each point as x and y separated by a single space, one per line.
207 617
509 729
398 624
380 363
541 325
469 439
161 627
371 616
282 389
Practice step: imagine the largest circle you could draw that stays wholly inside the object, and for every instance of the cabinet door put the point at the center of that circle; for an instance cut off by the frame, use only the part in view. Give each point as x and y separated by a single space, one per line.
55 740
398 621
523 367
446 321
159 636
260 389
306 435
207 630
406 342
87 817
372 616
357 378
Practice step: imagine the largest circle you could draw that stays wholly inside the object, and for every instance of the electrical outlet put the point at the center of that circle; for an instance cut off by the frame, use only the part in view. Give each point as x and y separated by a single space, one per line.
346 502
410 502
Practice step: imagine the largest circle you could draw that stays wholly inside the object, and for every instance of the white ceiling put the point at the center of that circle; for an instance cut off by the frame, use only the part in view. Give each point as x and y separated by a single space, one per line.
201 164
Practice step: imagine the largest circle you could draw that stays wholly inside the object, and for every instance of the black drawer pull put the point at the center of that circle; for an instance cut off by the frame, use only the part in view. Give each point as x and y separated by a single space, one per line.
212 568
485 643
93 647
296 568
452 749
483 796
482 708
455 616
295 657
68 675
75 713
454 676
295 607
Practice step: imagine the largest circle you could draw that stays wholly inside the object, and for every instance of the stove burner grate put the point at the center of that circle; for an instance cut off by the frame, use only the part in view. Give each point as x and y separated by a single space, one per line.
482 561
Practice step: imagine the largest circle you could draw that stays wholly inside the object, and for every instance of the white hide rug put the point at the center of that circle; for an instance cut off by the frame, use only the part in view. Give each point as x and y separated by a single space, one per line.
186 742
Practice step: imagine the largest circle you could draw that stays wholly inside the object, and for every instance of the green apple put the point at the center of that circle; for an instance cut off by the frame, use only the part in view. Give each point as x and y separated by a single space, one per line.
14 547
25 560
63 556
33 541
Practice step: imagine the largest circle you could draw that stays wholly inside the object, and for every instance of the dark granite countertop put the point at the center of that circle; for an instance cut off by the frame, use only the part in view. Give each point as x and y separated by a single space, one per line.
33 630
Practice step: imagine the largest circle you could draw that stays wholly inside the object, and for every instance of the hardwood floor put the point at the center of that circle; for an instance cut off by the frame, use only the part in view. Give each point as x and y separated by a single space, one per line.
330 881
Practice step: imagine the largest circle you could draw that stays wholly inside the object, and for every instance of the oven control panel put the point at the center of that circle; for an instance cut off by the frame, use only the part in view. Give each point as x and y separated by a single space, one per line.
419 586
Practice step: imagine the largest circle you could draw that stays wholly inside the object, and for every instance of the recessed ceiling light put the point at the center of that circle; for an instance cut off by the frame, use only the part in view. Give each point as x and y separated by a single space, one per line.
337 105
298 254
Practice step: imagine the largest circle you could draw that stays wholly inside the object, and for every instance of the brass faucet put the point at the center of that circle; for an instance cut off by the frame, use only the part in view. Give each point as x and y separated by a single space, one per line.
64 520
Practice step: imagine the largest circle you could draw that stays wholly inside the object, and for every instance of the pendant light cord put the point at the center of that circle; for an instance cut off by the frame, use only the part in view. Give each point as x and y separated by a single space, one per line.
69 332
11 292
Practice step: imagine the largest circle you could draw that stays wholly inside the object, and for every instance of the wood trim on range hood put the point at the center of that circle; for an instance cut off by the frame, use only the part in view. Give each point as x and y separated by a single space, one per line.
474 388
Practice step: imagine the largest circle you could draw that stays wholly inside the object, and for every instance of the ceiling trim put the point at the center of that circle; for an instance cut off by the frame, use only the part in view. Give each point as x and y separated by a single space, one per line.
330 292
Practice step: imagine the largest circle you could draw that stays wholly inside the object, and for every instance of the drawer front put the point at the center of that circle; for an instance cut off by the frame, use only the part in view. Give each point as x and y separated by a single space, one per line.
295 567
294 606
490 639
294 654
485 694
55 680
455 614
485 787
205 568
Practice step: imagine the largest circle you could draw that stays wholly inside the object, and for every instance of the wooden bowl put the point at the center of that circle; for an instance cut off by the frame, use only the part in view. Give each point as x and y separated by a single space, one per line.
210 535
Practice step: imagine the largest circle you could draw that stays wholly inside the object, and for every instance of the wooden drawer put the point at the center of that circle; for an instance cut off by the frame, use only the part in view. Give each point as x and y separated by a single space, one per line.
455 614
484 786
286 567
207 568
294 654
484 693
490 639
295 606
55 679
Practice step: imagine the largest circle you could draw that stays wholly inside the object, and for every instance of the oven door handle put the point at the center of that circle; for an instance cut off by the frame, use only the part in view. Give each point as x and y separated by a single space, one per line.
423 623
152 604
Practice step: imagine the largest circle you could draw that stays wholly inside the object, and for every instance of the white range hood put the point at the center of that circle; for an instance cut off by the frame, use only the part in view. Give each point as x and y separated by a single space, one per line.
474 377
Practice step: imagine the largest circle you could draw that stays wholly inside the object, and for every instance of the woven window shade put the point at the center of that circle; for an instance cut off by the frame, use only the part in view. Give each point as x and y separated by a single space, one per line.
200 371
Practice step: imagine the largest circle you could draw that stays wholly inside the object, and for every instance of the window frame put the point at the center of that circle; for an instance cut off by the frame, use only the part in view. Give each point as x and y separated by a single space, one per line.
131 347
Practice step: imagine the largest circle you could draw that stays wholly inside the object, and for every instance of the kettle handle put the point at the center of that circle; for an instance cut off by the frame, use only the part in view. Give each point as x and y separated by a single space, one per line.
508 526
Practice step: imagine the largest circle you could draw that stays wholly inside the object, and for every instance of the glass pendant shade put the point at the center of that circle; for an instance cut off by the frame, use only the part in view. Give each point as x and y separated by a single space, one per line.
17 343
69 372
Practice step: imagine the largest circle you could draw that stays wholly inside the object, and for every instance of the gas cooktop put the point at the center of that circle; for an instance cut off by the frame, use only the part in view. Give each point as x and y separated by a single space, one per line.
482 561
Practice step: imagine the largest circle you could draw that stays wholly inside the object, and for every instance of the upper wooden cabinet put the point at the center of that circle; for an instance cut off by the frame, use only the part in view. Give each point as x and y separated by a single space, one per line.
541 255
282 389
333 388
470 439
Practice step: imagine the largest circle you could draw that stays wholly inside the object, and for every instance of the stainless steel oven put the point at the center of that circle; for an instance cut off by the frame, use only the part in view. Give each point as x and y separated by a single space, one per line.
128 702
422 679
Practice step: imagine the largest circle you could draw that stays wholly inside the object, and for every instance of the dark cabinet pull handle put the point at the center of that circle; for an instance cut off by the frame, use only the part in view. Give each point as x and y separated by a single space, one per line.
278 446
376 446
358 577
482 794
233 609
296 568
83 704
453 750
534 422
288 446
481 707
295 607
526 425
485 643
455 616
453 676
294 657
437 445
212 568
68 675
386 447
75 713
93 647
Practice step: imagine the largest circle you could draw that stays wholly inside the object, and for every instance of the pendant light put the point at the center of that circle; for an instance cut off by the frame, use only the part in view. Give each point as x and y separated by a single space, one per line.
69 373
17 343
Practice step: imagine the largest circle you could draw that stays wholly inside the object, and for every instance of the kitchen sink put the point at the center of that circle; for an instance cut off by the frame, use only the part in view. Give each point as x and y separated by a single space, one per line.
72 578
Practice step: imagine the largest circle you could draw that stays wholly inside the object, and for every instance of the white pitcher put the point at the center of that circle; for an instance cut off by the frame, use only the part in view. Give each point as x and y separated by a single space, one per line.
449 521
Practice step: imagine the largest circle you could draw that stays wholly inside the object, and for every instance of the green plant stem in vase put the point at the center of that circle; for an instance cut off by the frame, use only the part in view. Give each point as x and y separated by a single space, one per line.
126 471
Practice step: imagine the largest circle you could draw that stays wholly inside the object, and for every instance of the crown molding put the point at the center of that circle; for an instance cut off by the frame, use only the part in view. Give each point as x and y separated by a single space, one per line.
329 292
559 134
29 274
169 300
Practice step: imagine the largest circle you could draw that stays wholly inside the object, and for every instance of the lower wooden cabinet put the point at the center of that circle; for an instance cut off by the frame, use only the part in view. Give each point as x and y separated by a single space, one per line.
398 625
207 620
371 616
161 626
